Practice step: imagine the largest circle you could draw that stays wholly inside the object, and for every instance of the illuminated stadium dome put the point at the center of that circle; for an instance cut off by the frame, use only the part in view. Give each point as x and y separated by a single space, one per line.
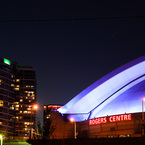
119 92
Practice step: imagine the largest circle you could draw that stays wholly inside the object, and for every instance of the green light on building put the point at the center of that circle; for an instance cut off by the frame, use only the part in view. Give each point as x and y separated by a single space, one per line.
6 61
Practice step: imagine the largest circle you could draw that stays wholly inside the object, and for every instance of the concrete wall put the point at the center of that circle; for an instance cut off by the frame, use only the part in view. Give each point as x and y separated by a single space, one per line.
125 128
112 129
62 129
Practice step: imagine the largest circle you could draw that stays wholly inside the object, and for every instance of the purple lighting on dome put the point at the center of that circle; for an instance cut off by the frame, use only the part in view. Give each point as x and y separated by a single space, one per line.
110 94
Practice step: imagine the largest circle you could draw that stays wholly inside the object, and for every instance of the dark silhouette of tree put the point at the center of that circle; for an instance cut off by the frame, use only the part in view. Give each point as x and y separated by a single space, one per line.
39 128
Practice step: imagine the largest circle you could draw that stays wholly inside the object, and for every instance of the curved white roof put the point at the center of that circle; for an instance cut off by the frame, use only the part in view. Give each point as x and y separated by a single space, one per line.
101 97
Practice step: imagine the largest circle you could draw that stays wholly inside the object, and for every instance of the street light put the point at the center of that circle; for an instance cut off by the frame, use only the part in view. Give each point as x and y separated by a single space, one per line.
73 120
1 137
35 107
143 99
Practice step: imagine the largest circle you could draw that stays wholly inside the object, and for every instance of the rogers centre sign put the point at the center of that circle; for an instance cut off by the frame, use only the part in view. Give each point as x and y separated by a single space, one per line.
115 118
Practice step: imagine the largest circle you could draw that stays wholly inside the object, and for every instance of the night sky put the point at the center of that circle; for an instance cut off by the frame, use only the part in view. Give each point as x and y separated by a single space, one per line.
71 44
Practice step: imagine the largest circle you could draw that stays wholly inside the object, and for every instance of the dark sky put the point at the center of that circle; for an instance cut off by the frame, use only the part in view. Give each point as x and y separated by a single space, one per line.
68 49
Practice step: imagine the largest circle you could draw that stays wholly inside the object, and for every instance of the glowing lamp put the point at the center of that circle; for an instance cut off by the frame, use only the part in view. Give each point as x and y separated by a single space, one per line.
35 107
1 138
6 61
72 120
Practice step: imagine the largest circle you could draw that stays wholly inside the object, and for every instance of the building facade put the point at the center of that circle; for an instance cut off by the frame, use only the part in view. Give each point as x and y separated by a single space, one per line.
47 128
122 125
18 96
116 126
113 106
7 97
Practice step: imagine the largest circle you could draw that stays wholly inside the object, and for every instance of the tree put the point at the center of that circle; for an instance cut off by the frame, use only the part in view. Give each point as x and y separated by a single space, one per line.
39 128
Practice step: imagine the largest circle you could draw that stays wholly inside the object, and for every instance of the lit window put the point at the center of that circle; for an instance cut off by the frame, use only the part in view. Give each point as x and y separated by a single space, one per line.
1 103
27 86
16 105
31 123
1 123
30 93
12 85
16 108
21 100
29 111
17 80
24 111
17 117
16 102
28 123
16 89
20 111
28 108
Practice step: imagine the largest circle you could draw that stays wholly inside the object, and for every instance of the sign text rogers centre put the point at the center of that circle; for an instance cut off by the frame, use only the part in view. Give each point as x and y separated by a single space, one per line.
124 117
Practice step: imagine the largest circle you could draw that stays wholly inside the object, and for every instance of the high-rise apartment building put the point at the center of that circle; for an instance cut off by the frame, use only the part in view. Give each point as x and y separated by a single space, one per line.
7 97
17 98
